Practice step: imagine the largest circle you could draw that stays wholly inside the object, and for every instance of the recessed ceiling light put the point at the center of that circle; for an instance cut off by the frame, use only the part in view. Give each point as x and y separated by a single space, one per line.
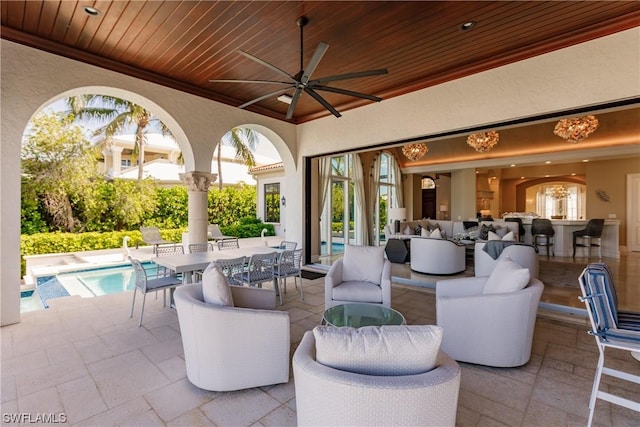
513 166
92 11
573 174
466 26
522 177
548 162
585 160
547 176
285 98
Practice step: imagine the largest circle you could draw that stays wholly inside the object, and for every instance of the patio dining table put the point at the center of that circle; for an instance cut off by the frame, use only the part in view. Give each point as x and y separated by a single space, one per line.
187 264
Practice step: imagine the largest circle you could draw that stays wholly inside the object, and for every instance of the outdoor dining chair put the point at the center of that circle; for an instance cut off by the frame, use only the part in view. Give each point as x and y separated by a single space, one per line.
200 247
146 284
232 269
289 265
168 250
228 244
287 245
260 269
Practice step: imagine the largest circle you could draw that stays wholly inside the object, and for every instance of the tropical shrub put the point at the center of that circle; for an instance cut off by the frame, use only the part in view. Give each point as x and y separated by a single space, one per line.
249 227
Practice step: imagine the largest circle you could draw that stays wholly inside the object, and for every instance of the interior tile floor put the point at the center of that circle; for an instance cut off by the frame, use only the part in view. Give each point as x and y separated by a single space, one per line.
86 359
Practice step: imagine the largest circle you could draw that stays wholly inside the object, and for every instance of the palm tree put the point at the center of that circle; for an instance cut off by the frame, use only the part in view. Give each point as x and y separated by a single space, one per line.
244 140
118 114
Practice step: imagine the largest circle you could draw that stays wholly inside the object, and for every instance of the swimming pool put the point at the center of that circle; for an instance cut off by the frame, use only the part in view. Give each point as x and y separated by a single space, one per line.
84 283
335 248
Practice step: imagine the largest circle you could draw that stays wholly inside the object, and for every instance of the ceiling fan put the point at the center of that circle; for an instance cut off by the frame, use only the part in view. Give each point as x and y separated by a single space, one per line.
301 81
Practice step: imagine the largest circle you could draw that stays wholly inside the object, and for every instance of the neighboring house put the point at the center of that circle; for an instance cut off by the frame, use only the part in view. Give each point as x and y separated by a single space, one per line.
271 194
163 163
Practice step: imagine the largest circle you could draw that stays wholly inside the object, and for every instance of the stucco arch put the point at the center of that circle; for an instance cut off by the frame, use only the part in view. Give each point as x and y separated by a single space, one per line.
521 189
165 117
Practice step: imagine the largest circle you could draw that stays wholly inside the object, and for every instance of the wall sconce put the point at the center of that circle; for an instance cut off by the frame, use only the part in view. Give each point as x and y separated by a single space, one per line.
283 201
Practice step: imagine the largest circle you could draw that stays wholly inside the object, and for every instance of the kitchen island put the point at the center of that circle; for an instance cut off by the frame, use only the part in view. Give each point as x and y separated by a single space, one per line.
563 239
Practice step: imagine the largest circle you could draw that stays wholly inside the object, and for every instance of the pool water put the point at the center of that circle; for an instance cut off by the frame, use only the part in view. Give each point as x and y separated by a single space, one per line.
85 283
335 248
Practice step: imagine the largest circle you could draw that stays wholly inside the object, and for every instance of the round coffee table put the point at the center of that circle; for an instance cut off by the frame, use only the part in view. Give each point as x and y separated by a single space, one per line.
357 315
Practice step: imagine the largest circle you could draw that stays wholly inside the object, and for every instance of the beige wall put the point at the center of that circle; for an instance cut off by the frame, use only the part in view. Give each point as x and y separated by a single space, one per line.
610 176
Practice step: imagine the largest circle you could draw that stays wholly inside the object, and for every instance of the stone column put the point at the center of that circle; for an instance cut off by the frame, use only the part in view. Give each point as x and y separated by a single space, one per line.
116 158
197 184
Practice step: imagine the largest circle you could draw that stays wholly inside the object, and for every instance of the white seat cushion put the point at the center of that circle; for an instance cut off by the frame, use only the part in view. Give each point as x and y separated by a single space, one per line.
507 276
215 288
358 291
379 350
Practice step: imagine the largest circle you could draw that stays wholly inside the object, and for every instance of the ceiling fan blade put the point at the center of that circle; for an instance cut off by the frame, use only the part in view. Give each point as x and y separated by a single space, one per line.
322 101
347 92
248 81
350 76
266 64
315 60
279 91
294 101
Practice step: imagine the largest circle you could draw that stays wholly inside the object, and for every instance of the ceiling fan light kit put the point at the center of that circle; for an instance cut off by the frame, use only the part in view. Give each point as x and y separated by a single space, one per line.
301 82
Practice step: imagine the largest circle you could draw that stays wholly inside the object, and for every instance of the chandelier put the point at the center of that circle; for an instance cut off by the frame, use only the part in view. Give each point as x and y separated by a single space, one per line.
415 151
557 191
576 129
483 141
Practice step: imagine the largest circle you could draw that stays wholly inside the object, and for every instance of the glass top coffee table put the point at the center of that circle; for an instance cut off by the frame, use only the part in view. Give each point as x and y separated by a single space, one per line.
357 315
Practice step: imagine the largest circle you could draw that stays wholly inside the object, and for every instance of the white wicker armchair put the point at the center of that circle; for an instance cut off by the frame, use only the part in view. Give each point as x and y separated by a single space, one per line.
330 397
488 329
233 348
361 275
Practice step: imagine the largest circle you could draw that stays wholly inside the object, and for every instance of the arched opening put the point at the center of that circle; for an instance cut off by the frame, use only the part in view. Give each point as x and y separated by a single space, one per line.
553 197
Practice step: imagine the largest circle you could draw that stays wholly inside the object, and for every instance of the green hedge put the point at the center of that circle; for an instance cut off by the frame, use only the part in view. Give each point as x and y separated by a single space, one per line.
249 227
53 243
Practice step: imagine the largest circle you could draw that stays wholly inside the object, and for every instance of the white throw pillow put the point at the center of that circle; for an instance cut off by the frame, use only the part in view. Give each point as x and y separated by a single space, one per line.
407 230
424 232
493 236
379 350
436 234
507 237
507 276
388 231
215 288
362 263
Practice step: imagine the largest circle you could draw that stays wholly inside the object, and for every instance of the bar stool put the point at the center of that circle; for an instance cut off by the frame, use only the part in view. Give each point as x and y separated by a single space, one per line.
542 232
590 236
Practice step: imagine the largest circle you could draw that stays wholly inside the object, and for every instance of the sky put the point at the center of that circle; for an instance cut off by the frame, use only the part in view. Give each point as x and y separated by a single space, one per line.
264 147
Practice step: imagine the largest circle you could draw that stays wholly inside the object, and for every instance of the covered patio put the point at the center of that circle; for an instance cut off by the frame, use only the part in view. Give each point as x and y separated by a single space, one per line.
85 358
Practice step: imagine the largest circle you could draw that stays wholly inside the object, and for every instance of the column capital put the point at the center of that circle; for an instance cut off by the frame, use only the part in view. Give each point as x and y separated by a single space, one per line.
198 181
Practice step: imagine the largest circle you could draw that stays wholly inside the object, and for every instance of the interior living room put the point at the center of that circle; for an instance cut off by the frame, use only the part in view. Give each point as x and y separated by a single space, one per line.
365 78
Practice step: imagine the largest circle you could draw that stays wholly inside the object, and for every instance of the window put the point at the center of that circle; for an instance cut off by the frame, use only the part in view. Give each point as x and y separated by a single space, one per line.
428 183
125 163
272 202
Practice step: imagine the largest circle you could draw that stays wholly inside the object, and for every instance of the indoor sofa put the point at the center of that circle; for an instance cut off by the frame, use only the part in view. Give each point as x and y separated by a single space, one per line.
437 256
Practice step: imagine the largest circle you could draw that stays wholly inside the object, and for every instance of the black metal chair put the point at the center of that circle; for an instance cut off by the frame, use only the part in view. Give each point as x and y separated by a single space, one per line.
542 232
590 236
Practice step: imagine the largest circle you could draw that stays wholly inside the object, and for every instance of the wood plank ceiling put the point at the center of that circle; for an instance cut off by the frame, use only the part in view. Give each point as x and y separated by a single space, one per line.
184 44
